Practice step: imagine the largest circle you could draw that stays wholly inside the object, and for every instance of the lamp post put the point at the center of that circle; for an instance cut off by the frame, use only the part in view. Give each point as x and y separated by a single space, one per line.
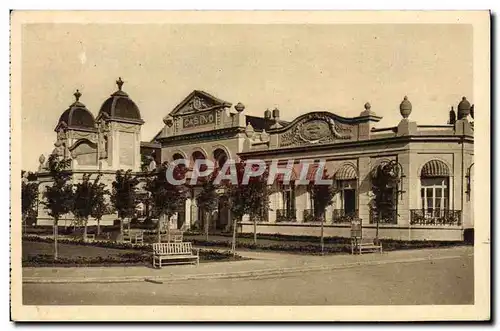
468 178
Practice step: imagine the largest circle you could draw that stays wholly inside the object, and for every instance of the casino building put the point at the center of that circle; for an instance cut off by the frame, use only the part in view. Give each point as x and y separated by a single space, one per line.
433 198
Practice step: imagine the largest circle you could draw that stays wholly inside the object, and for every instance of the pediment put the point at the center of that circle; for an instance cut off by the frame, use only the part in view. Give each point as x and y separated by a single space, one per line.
199 101
314 128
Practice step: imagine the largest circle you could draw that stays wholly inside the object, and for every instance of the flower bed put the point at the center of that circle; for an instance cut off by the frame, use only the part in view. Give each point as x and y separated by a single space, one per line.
109 254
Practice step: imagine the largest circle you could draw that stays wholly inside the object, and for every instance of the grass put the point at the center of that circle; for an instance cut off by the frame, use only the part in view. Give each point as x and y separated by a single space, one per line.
40 254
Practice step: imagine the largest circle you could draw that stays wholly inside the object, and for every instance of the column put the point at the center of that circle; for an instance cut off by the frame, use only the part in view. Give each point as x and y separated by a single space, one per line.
364 189
407 200
187 211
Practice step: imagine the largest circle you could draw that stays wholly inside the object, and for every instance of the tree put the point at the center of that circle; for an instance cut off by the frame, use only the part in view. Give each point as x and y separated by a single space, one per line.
89 200
145 160
251 199
58 197
385 181
100 207
322 195
208 199
166 198
124 195
29 196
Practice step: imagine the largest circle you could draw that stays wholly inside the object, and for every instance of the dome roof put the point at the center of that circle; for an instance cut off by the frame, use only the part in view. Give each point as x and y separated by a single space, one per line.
120 107
77 116
463 108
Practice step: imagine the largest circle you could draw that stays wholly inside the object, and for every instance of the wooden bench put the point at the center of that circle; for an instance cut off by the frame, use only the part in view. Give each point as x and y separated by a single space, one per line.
175 238
176 253
360 245
133 236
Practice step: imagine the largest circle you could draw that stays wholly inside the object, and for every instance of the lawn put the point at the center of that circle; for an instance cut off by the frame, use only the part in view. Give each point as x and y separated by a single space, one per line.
70 251
40 254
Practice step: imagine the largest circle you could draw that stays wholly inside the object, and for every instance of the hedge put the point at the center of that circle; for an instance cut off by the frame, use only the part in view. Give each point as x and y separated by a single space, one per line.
315 248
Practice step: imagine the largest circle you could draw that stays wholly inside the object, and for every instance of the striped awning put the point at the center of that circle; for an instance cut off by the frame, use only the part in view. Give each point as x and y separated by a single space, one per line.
435 168
296 172
346 172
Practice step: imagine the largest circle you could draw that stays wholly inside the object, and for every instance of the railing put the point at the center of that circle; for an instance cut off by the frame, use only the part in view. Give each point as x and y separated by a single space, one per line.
309 216
386 217
435 217
340 216
264 217
285 215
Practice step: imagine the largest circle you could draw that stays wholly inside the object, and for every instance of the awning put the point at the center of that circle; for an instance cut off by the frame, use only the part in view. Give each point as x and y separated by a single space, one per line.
346 172
296 172
435 168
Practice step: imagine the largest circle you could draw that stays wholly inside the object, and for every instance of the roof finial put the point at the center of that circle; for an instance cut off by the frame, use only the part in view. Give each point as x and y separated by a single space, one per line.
405 107
77 95
119 82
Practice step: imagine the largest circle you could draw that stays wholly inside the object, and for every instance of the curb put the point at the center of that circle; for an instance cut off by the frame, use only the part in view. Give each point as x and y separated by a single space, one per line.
239 274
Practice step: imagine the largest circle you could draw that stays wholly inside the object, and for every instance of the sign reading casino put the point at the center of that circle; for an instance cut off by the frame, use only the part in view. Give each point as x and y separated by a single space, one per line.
194 120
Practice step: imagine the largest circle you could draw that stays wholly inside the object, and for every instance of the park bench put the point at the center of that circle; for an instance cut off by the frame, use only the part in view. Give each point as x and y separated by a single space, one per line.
90 237
174 253
133 236
360 245
175 237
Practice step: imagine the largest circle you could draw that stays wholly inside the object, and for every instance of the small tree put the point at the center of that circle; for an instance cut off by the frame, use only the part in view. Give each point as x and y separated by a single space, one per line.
29 197
89 201
258 199
58 197
166 198
322 195
100 206
250 199
385 181
208 199
124 195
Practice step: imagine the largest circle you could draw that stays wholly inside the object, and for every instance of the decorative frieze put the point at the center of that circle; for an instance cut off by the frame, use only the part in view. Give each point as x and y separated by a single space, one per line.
315 128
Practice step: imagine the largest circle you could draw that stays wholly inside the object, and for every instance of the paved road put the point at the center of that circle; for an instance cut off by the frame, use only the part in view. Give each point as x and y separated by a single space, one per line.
448 281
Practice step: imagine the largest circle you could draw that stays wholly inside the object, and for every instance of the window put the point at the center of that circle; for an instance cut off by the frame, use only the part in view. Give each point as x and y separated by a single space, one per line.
347 181
288 199
434 196
197 155
220 157
348 196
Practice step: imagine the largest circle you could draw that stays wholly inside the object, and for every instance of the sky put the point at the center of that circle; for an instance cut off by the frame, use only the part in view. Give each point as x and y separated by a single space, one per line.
297 68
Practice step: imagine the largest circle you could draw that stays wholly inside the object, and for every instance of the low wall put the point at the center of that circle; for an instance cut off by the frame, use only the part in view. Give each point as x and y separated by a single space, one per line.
42 221
446 233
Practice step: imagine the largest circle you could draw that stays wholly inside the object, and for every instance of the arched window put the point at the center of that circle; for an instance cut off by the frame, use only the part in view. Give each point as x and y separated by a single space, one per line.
177 156
434 189
197 155
220 157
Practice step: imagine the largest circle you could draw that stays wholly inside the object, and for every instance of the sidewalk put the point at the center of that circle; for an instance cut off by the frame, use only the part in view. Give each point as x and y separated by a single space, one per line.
262 264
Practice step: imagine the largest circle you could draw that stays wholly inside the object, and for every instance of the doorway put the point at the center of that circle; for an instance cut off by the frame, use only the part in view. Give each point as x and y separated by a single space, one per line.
349 201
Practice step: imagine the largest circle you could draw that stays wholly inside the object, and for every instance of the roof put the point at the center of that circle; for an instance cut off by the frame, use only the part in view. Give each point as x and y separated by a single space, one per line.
120 107
150 144
77 116
199 101
260 123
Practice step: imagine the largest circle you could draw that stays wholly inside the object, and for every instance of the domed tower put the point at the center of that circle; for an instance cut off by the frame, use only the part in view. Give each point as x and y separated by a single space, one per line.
76 130
119 122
